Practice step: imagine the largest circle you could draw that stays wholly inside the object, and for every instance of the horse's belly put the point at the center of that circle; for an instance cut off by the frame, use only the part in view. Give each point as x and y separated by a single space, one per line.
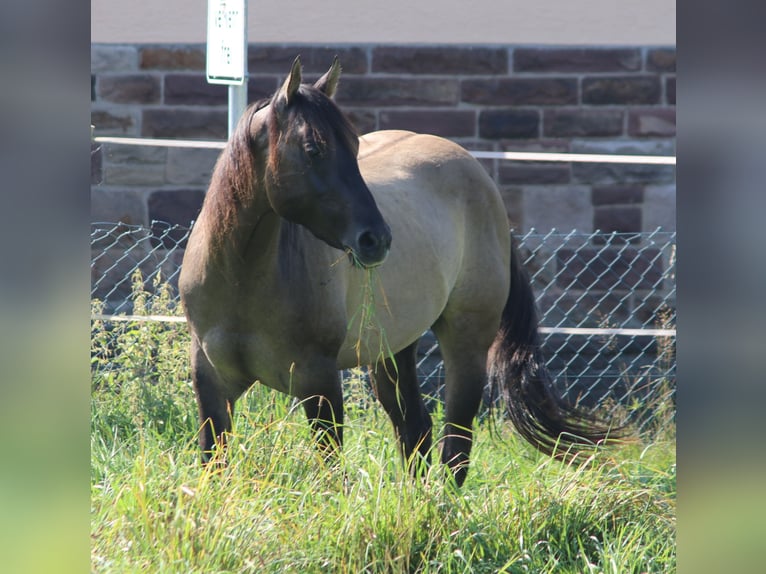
368 348
378 333
245 358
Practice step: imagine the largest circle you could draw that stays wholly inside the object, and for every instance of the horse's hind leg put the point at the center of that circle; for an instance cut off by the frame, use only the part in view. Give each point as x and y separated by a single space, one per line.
215 408
396 386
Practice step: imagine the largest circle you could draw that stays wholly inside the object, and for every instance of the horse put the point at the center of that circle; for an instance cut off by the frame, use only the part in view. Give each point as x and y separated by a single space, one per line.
300 213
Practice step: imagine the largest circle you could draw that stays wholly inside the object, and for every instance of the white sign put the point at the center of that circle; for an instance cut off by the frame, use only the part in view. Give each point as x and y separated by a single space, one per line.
226 41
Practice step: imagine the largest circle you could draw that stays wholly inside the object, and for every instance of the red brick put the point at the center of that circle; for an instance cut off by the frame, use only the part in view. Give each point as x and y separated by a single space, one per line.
576 60
614 173
194 90
111 122
652 122
110 58
617 194
278 59
617 219
116 205
175 207
511 124
541 145
513 200
179 123
529 173
129 89
261 87
661 60
161 58
520 92
363 120
582 123
446 123
444 60
357 91
621 90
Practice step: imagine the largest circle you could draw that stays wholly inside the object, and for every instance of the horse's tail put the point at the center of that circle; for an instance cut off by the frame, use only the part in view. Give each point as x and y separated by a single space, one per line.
517 370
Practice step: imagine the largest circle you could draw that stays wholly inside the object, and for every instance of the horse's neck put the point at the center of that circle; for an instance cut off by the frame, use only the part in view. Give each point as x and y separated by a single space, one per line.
251 246
231 219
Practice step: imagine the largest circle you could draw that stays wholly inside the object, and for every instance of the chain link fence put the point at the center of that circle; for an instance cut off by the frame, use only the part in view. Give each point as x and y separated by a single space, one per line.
607 309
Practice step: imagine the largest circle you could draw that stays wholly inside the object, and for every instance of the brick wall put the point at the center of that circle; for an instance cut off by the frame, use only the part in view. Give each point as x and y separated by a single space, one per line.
526 98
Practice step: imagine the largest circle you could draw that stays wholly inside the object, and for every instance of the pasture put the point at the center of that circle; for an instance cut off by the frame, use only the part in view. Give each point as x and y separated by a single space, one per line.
279 507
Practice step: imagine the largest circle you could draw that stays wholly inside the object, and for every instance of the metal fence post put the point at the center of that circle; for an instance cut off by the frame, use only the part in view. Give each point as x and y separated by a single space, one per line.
237 104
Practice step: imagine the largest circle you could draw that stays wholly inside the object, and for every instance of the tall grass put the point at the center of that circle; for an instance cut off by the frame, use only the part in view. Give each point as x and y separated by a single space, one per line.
278 506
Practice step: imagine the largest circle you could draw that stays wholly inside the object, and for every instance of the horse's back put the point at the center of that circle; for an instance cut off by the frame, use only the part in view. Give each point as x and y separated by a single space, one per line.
396 154
436 182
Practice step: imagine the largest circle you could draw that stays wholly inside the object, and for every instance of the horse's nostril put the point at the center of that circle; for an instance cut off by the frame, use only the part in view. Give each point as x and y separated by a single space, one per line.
368 241
372 247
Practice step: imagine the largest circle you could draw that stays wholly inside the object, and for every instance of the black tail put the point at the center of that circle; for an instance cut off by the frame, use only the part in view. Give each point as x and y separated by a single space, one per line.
517 369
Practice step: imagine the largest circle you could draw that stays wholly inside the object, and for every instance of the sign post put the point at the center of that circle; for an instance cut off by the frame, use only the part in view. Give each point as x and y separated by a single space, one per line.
227 52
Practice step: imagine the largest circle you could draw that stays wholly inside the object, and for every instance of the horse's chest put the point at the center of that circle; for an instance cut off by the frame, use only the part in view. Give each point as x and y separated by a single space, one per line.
246 356
269 348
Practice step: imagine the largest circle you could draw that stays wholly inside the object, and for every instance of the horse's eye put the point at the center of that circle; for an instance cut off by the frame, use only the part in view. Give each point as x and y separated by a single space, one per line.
312 149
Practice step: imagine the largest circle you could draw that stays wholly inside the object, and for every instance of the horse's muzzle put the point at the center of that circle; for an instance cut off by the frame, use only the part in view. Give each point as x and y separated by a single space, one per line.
371 248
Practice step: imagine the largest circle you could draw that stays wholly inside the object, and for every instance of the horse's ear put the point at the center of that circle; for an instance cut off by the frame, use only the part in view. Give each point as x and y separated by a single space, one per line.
290 86
329 82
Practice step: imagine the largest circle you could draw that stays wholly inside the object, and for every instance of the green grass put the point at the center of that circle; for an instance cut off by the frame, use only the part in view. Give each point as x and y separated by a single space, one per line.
278 506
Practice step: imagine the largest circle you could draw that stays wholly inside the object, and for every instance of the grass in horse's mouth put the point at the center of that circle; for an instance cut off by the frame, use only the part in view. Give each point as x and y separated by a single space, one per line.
353 259
368 311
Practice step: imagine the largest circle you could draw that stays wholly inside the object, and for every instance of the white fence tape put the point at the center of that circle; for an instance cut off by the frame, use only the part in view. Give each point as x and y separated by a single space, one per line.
506 155
544 330
161 142
575 157
137 318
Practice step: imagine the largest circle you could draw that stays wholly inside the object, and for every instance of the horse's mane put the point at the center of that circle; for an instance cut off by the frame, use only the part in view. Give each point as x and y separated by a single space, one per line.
234 177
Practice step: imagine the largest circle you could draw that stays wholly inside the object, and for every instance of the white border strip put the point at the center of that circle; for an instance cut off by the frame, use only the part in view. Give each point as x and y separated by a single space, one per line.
543 330
507 155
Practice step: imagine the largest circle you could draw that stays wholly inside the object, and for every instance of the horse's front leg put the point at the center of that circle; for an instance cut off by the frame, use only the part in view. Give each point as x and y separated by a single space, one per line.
323 403
215 407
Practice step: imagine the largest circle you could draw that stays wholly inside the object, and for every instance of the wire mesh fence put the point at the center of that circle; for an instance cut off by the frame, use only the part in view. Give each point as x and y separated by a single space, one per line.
607 309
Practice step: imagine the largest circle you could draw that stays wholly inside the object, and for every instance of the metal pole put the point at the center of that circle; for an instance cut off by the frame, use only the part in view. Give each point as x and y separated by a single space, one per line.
238 92
237 104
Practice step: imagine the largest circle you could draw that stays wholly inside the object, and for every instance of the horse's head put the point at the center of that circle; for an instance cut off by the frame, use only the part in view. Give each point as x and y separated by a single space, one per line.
312 174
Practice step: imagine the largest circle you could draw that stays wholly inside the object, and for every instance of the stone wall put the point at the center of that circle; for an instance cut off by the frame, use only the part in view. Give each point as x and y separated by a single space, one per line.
521 98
